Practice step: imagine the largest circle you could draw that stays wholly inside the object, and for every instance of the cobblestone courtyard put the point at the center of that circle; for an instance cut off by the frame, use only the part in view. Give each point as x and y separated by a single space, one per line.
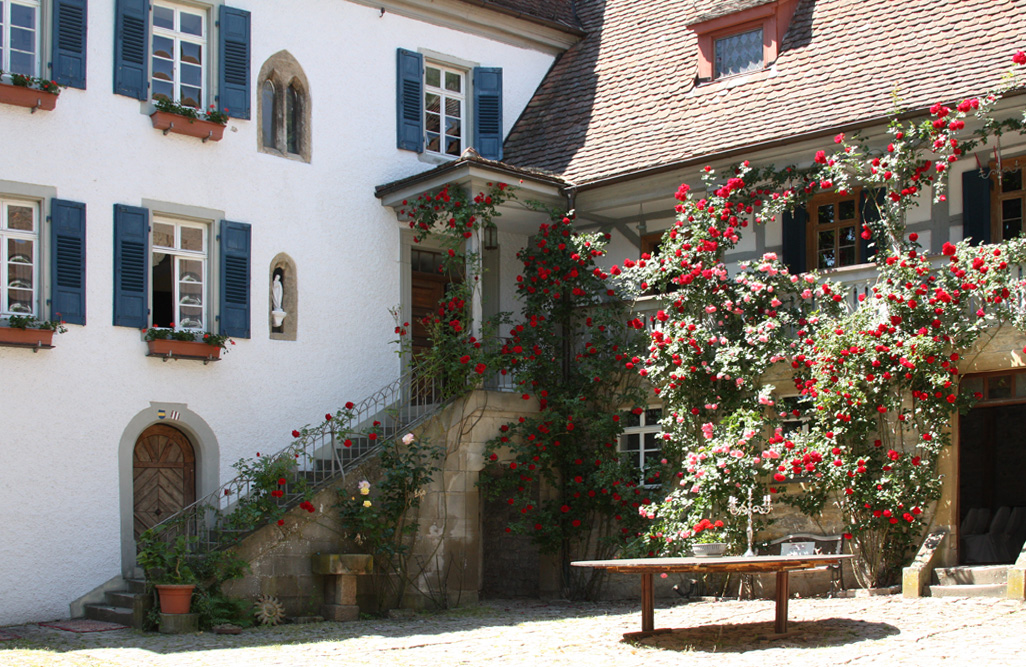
855 631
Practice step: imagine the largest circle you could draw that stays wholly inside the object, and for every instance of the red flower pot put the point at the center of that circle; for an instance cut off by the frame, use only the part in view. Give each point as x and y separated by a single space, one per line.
190 127
186 349
27 337
20 96
175 598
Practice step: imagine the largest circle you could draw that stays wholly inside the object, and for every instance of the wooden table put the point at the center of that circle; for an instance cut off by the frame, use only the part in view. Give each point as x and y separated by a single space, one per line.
646 567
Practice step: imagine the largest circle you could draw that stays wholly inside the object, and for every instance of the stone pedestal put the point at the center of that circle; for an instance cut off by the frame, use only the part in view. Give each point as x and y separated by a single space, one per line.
176 624
340 572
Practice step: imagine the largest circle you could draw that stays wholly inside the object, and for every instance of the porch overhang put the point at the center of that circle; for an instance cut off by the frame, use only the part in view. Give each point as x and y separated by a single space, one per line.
475 173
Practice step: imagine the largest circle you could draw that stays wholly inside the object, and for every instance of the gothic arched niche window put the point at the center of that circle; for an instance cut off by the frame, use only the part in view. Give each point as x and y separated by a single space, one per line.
284 110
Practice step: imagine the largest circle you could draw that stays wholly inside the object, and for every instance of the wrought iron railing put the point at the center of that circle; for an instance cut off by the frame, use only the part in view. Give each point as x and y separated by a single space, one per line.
319 456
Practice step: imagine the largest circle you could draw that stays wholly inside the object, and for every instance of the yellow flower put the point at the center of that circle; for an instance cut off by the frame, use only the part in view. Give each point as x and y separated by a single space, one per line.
366 503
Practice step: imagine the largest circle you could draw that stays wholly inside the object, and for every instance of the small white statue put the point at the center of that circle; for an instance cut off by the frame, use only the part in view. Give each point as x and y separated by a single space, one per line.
277 314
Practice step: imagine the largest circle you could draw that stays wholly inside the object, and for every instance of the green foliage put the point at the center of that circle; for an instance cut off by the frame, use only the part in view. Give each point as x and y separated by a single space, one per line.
877 381
568 353
166 561
381 519
171 333
274 485
39 83
31 322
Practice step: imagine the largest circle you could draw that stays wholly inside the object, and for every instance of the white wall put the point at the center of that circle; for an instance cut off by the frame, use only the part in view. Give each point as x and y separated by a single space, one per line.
65 410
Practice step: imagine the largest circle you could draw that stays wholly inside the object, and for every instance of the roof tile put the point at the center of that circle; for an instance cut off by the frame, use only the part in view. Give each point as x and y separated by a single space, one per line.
624 98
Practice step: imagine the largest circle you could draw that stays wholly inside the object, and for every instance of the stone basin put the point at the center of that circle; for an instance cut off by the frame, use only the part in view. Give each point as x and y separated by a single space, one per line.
342 563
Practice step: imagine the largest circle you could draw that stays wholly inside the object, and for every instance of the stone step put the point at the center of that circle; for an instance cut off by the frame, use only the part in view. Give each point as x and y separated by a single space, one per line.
971 575
110 614
968 591
136 585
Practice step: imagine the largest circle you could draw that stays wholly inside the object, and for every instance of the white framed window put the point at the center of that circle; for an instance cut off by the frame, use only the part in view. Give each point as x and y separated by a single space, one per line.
180 54
738 53
180 274
19 256
642 441
20 40
445 109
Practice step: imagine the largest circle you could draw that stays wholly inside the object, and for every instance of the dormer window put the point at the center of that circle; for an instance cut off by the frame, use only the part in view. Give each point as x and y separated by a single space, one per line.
739 42
739 53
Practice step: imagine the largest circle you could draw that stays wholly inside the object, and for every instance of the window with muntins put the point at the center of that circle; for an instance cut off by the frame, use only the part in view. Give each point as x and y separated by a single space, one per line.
180 55
1009 202
20 41
19 256
179 275
444 109
642 441
833 231
738 53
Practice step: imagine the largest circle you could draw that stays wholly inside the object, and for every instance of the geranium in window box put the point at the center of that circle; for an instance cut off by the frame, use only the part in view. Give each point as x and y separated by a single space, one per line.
27 331
170 343
31 92
180 119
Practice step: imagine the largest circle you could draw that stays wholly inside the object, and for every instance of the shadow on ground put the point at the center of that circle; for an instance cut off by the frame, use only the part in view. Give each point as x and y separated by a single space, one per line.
740 637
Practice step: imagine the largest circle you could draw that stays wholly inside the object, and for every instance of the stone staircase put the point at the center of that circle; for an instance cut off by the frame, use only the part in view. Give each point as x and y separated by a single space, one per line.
127 607
970 581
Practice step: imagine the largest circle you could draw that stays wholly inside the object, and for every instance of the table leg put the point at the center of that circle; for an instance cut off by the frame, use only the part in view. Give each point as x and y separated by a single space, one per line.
782 589
647 603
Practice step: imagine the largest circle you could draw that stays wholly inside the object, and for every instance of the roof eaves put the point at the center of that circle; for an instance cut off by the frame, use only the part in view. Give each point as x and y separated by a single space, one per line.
705 158
470 158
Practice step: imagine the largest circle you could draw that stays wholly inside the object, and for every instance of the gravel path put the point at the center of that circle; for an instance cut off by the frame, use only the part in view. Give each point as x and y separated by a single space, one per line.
888 631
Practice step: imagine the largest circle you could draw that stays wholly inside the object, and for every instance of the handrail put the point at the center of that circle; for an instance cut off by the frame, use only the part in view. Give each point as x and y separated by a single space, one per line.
317 457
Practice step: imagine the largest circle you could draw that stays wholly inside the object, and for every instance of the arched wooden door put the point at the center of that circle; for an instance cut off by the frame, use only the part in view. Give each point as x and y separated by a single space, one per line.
164 475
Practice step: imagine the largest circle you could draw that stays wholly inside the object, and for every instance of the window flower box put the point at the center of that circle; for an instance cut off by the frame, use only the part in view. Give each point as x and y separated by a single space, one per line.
35 338
30 98
190 127
184 349
169 343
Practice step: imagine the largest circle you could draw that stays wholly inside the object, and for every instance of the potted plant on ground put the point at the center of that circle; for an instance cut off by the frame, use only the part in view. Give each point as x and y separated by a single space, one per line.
32 92
27 330
166 565
174 117
169 342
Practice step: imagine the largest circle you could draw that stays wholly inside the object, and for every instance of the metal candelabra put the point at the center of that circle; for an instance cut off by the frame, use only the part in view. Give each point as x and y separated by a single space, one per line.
749 508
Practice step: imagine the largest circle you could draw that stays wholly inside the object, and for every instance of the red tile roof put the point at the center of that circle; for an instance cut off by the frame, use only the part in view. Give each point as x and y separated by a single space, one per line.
624 99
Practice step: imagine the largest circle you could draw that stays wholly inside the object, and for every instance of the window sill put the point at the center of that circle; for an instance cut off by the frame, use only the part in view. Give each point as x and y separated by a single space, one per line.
37 339
30 98
190 127
183 349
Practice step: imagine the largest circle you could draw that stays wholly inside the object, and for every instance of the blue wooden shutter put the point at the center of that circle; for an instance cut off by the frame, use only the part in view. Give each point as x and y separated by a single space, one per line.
870 213
233 53
131 47
235 261
131 268
410 101
67 261
488 112
68 57
976 185
794 239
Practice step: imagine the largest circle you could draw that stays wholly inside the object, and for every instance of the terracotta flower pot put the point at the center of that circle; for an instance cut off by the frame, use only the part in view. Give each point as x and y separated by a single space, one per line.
190 127
21 96
175 598
33 337
186 349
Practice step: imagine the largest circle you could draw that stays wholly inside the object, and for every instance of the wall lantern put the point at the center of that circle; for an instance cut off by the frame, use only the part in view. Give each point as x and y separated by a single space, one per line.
491 236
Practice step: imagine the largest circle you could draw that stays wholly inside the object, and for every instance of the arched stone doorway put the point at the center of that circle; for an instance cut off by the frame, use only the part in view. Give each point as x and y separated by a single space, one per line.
163 475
